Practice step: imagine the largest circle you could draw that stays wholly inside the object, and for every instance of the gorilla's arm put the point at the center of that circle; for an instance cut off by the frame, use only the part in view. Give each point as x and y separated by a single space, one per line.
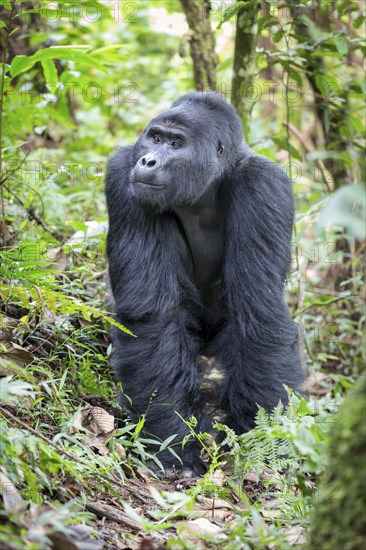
154 299
260 341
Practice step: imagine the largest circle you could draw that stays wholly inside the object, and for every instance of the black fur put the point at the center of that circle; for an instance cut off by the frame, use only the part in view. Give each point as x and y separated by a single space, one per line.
198 266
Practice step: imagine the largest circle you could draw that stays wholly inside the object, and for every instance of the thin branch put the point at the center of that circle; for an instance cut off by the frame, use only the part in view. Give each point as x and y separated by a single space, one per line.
309 147
33 216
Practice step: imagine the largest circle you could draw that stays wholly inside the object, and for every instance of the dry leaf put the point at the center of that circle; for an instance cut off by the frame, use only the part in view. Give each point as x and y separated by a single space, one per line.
202 527
270 513
296 535
93 419
80 538
98 442
213 508
312 383
100 423
218 478
10 494
251 476
15 353
7 326
207 503
58 258
122 454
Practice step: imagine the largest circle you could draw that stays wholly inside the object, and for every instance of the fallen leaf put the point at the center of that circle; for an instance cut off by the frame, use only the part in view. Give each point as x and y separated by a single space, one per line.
78 537
218 477
15 353
98 442
202 527
296 535
207 503
313 385
214 508
58 258
10 494
93 419
251 476
7 326
270 513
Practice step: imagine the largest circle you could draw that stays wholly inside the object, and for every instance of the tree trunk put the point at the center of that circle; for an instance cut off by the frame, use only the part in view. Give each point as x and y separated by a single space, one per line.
202 43
244 61
330 114
339 518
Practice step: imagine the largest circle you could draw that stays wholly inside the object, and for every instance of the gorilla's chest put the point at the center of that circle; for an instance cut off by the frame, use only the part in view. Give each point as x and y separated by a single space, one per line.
201 248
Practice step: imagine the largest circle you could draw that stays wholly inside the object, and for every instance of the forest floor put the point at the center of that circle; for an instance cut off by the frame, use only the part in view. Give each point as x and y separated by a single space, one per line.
74 467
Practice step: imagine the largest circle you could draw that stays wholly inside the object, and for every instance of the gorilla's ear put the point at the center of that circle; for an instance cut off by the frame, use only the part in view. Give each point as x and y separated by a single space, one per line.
220 149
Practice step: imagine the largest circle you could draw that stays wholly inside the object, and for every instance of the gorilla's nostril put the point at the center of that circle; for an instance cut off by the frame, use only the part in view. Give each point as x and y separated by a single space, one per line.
147 161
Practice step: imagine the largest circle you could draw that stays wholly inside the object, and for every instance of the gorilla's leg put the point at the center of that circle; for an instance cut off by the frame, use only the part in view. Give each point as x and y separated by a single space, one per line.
256 373
159 375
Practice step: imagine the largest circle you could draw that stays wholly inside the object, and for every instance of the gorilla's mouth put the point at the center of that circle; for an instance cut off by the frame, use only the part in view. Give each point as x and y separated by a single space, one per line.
149 185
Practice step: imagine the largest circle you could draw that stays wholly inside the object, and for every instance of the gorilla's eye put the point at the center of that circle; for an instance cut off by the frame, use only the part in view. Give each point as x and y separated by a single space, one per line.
156 138
175 145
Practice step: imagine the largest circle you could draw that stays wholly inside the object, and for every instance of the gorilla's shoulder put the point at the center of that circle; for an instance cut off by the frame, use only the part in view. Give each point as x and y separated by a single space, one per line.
120 158
262 171
119 166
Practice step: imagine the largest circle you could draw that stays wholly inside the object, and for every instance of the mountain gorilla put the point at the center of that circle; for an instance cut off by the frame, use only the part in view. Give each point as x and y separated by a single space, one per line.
199 246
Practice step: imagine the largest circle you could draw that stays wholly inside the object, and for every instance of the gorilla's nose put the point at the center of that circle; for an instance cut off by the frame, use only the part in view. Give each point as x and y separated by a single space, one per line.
146 168
148 161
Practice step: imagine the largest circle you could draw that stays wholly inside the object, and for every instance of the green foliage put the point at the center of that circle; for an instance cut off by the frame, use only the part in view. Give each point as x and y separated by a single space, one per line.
294 439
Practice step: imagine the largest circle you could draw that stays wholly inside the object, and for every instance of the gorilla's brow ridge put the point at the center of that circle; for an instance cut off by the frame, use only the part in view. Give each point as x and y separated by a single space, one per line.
174 121
167 130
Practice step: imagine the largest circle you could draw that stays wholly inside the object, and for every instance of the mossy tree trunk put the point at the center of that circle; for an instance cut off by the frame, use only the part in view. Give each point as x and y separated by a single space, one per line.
339 520
244 61
202 43
331 102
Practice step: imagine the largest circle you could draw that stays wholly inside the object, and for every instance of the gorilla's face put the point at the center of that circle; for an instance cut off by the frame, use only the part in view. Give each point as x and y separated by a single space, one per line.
175 162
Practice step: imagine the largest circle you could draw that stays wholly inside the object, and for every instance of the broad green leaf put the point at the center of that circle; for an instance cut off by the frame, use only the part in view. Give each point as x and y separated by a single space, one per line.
294 75
22 63
288 147
57 115
50 74
98 51
277 36
69 53
341 45
347 208
139 426
167 442
325 53
328 86
230 11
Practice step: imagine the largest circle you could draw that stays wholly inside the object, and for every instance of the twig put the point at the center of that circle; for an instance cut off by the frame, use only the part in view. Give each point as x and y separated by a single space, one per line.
12 171
309 148
322 304
33 216
106 511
